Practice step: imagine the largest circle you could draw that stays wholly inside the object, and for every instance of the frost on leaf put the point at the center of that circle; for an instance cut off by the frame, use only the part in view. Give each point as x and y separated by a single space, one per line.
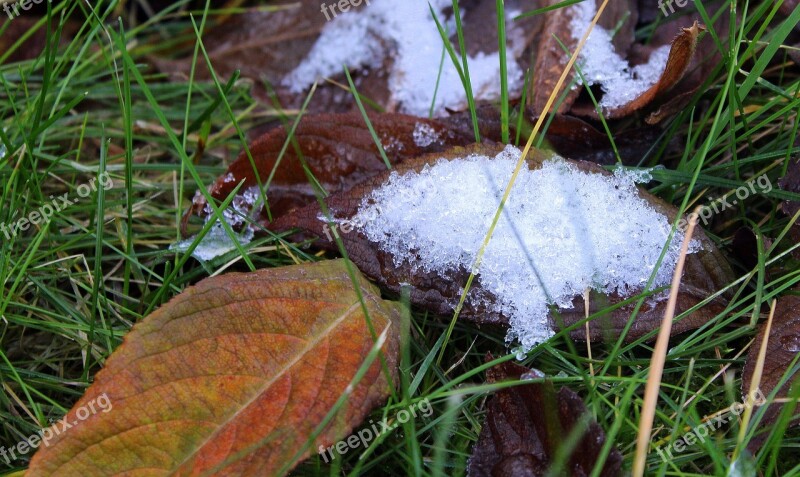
567 227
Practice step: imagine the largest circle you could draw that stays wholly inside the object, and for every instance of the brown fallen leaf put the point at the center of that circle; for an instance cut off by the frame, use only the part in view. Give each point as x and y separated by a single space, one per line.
705 60
782 349
231 377
267 44
575 138
264 45
705 271
525 426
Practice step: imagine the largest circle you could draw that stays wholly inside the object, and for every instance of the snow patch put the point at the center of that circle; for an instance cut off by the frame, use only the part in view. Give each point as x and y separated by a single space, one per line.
562 231
406 32
215 243
424 135
601 64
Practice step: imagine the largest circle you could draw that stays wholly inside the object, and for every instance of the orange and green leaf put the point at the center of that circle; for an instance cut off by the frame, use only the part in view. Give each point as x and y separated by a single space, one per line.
232 377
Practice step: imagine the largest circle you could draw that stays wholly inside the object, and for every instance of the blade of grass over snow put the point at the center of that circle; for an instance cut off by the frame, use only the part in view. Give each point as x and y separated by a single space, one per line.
517 169
372 132
500 13
461 66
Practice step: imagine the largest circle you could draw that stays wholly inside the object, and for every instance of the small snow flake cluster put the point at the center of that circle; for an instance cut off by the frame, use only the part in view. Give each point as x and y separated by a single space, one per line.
424 135
407 34
562 231
601 64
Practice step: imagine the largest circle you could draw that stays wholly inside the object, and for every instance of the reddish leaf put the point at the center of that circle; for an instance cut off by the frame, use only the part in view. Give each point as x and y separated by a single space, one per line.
525 426
339 151
231 377
704 61
782 349
705 271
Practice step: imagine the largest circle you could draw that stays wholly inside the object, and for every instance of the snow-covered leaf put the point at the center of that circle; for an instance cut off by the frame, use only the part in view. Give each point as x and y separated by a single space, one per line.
581 228
559 36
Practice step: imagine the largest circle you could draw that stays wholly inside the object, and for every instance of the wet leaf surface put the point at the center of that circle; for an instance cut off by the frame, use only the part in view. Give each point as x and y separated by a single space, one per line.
231 377
340 153
525 425
782 349
705 271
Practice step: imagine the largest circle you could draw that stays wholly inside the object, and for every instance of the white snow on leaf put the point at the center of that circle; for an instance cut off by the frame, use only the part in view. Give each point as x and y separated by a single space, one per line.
562 231
602 65
405 32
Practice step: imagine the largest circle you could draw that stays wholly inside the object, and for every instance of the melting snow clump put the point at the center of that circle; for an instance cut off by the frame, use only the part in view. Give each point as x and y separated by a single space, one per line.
215 243
600 64
562 231
406 32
